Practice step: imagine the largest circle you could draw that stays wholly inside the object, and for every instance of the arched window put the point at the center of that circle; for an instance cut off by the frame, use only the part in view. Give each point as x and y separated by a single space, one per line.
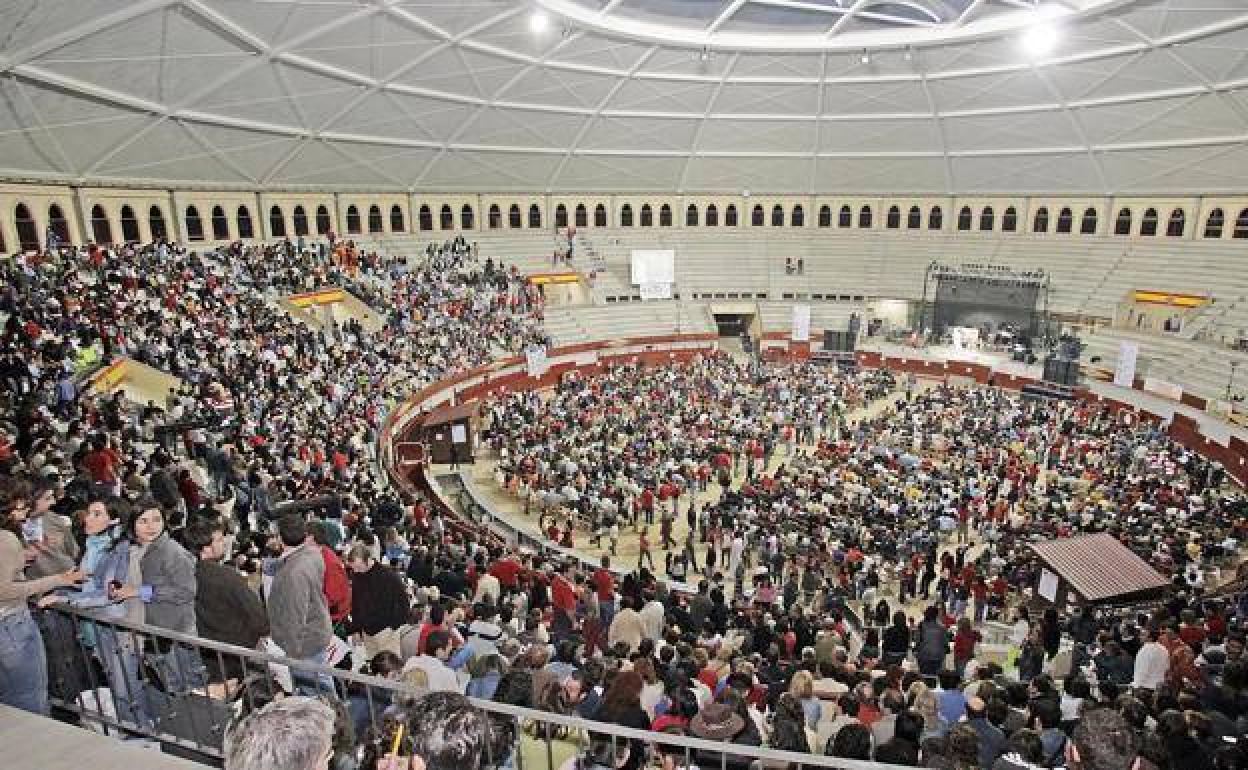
56 220
496 217
27 232
691 216
1148 223
299 219
777 216
893 220
846 217
397 225
561 215
581 215
647 215
626 216
799 216
730 215
245 229
220 225
756 216
1041 222
1215 223
425 218
156 223
446 217
665 216
1087 226
964 218
712 216
323 223
130 225
101 230
600 216
514 220
1177 224
535 216
825 216
353 220
914 218
1241 225
1009 220
1065 220
277 223
936 218
987 219
864 217
194 227
467 220
376 224
1122 225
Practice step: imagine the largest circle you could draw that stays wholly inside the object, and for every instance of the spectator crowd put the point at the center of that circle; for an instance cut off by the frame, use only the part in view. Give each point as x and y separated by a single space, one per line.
846 536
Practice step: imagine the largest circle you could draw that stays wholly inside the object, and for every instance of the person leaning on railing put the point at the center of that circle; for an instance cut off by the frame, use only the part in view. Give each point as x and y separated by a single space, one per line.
23 662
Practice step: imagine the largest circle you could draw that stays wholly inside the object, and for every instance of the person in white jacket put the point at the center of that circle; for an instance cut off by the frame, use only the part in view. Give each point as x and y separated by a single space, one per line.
1151 662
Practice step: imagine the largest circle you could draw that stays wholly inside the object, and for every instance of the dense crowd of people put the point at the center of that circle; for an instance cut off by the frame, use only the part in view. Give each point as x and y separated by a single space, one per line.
848 533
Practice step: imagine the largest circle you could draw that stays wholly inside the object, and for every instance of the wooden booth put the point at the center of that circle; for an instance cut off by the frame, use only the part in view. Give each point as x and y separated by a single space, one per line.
1093 569
450 432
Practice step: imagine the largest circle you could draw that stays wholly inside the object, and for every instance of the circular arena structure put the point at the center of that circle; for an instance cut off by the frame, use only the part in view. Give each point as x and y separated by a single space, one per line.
688 382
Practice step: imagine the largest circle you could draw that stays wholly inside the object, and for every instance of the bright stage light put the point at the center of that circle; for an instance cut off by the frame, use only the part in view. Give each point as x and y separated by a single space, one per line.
1039 40
539 21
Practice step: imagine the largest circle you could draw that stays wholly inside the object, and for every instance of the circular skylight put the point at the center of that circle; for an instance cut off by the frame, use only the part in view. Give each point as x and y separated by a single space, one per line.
813 25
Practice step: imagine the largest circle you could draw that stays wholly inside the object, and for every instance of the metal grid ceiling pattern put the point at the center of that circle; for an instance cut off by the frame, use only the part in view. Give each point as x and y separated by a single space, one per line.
1138 98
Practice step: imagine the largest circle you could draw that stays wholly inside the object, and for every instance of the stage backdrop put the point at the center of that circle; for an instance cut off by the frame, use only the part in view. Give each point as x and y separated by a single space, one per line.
963 300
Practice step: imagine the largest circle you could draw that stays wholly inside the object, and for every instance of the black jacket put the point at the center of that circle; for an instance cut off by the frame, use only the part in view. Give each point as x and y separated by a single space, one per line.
379 600
226 609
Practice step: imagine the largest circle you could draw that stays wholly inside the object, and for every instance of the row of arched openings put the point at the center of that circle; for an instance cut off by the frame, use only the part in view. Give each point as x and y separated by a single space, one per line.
197 229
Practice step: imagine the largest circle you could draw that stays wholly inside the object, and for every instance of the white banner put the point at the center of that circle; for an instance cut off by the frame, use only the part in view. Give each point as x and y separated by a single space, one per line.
655 290
801 323
653 266
1163 388
535 361
1124 373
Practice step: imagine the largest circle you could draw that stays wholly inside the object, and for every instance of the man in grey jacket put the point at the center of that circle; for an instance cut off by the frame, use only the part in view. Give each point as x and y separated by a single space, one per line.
298 615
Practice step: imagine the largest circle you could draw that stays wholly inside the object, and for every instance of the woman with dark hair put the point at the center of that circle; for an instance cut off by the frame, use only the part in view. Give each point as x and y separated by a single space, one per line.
107 562
621 705
853 741
788 731
682 706
23 662
166 585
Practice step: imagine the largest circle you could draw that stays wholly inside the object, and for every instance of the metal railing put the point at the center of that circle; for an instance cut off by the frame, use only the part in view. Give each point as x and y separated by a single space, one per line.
135 680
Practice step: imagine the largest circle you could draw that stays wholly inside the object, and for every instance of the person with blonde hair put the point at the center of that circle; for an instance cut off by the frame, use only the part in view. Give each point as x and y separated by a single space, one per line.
923 701
802 687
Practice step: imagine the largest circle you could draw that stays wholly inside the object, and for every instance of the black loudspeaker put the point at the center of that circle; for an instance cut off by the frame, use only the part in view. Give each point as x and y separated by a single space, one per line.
839 342
1061 371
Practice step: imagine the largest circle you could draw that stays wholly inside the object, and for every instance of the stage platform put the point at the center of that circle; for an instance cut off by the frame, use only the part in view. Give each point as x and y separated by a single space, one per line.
39 743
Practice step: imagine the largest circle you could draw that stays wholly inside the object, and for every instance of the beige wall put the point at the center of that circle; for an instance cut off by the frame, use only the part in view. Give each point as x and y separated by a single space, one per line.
76 205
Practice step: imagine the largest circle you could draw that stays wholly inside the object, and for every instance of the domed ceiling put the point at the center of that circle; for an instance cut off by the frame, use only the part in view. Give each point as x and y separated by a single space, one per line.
797 96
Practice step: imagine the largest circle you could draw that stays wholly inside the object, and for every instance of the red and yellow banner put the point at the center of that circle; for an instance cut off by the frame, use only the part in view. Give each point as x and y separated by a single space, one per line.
1169 298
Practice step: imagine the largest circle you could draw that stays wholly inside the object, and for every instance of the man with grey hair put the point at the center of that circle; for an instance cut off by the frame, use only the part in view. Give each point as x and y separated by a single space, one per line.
293 733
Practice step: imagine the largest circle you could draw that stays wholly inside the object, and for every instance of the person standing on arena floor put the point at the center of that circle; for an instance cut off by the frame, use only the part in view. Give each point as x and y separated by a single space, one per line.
643 548
298 613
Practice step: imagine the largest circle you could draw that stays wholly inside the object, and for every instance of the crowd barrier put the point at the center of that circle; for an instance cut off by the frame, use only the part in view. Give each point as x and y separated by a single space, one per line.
129 679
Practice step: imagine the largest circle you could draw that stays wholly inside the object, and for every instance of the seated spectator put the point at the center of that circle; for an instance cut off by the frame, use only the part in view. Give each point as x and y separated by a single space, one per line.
295 733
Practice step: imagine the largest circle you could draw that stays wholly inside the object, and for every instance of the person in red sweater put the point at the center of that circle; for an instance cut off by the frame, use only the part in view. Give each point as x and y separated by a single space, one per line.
337 586
604 589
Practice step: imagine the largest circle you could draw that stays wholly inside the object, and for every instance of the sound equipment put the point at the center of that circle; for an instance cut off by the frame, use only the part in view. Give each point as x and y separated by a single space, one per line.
1061 371
840 342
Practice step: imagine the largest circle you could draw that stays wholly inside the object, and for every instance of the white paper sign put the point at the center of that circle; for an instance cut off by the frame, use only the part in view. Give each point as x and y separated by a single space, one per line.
459 434
1048 585
1124 373
655 290
801 323
535 361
